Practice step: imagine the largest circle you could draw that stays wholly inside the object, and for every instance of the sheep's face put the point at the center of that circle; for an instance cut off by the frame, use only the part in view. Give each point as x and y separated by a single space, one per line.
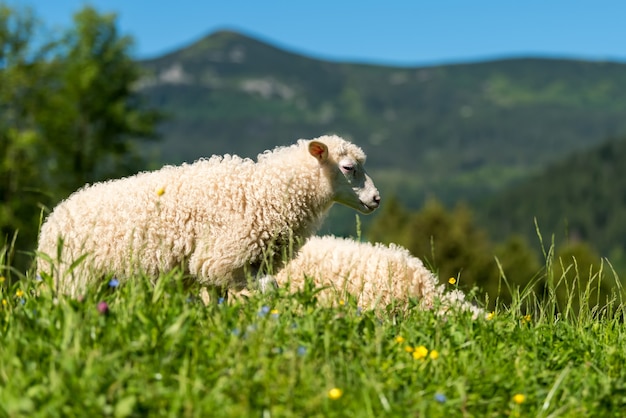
350 183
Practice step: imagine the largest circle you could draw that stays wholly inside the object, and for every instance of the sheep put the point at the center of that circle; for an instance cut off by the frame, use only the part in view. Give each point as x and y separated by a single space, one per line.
220 219
377 275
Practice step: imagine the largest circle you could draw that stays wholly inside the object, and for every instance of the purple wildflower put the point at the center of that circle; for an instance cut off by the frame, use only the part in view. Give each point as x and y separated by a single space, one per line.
114 282
103 308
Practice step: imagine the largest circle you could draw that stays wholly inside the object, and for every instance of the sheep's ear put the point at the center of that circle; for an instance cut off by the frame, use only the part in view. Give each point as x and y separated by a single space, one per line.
319 150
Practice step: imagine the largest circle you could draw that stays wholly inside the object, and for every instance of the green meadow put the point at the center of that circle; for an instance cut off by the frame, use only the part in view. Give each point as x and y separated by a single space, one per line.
77 108
142 349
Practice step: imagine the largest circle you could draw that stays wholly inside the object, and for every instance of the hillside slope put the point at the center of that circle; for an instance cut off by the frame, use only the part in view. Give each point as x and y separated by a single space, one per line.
456 131
581 197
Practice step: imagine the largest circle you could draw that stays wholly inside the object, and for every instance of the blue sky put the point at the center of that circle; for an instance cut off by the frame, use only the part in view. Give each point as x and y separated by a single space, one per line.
387 32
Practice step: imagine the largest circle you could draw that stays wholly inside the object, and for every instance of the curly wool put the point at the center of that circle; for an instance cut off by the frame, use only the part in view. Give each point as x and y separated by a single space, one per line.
215 218
377 275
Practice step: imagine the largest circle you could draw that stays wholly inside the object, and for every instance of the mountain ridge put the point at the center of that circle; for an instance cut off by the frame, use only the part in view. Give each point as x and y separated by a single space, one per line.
283 47
459 131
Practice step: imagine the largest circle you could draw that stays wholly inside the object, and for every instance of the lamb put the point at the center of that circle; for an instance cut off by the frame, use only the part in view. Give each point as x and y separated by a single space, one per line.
220 219
375 274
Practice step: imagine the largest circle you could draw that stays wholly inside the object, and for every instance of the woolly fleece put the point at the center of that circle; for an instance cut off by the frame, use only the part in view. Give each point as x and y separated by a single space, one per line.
217 218
375 274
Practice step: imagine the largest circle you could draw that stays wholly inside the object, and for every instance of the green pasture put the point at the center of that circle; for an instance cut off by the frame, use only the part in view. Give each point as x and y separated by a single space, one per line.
138 349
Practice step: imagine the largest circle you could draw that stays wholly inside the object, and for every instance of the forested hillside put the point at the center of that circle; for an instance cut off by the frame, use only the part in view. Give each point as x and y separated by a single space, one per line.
463 132
582 197
455 131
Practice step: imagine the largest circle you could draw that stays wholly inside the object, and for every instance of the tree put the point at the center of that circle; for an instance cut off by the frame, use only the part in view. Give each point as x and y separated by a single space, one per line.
102 115
68 115
520 266
23 81
390 223
452 243
578 279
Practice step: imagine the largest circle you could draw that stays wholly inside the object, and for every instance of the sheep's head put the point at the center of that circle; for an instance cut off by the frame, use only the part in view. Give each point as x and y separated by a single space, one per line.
344 164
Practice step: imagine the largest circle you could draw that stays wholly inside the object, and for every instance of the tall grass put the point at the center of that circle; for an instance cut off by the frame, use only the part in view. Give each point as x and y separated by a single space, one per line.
143 349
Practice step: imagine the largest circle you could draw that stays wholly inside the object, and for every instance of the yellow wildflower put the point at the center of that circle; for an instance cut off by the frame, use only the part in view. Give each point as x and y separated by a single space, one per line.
4 302
274 312
2 279
490 316
519 398
526 319
19 293
452 280
408 349
342 302
160 191
335 393
400 339
434 354
420 352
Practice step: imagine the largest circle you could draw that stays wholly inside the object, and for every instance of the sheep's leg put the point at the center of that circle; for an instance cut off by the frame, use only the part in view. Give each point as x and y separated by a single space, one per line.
213 295
267 284
224 264
220 264
258 279
217 294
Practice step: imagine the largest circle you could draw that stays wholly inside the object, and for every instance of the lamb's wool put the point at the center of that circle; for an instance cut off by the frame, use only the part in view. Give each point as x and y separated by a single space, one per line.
377 275
216 218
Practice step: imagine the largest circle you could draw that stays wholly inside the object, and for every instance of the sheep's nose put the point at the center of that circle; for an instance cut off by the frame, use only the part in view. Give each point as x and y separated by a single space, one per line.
377 199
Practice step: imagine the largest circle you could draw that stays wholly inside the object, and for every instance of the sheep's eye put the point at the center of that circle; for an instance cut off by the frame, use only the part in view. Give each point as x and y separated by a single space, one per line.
348 167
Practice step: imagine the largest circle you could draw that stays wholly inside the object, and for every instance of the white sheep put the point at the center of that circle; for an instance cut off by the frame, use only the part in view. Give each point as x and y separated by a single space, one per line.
377 275
218 219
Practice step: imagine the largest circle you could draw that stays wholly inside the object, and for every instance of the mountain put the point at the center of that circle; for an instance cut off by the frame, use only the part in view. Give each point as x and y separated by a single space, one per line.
581 197
457 131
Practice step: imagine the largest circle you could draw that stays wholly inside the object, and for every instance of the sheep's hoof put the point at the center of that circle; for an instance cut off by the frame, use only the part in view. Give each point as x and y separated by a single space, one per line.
267 284
213 295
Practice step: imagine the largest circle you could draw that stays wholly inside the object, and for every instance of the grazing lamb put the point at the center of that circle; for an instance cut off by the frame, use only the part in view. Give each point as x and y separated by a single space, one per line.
376 274
220 219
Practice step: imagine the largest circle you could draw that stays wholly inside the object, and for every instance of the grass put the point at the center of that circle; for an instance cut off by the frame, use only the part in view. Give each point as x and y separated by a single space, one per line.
143 350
